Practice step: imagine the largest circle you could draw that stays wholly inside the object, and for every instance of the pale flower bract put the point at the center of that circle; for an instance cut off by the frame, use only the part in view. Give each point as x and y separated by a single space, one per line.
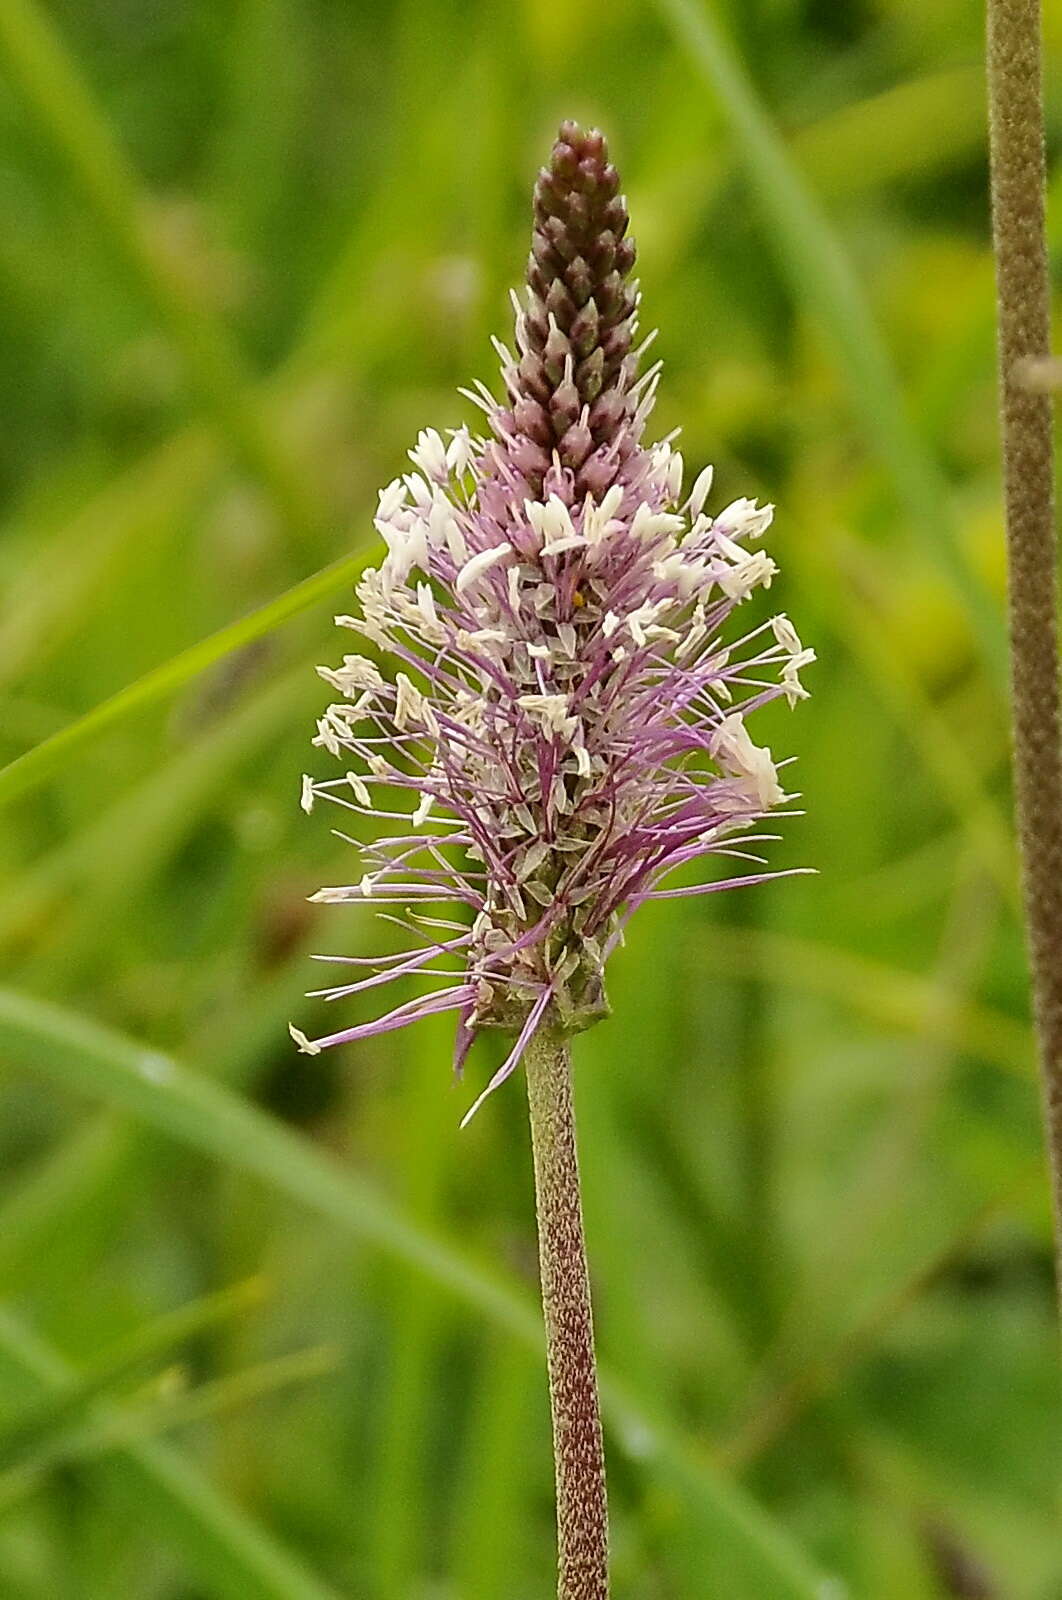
563 719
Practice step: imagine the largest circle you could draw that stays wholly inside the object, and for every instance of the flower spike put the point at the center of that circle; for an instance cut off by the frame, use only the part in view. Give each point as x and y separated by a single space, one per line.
565 720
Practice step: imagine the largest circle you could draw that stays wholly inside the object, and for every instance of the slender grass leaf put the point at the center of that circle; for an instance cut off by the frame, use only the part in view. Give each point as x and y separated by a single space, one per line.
812 257
33 1431
74 125
34 766
93 1060
229 1552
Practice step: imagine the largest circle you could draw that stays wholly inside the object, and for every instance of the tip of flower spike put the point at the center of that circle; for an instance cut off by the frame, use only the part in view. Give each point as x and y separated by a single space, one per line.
576 368
306 1046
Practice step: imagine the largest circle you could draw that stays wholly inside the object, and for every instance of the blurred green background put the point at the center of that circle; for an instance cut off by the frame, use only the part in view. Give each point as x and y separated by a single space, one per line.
268 1324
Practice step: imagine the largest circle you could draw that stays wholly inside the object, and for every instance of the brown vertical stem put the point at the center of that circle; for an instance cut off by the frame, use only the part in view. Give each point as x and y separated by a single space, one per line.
1016 139
582 1514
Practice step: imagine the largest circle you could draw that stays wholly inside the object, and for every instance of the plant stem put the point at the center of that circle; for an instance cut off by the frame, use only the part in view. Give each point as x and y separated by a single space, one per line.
1016 140
582 1512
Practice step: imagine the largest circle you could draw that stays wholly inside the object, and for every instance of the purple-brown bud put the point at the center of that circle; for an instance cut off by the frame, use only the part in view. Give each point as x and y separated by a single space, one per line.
579 322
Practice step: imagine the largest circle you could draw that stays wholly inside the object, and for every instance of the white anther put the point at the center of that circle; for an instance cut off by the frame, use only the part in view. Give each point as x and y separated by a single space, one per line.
699 493
481 563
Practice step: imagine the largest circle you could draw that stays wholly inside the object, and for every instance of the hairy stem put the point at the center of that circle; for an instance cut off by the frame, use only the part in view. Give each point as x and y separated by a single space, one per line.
582 1513
1016 139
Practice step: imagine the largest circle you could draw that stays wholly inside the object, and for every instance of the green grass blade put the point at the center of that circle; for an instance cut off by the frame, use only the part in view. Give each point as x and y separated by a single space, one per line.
208 1401
90 1059
158 1410
121 847
97 1061
34 766
834 571
895 999
918 125
822 277
45 600
34 1430
417 1324
787 1395
490 1538
66 112
233 1556
42 1204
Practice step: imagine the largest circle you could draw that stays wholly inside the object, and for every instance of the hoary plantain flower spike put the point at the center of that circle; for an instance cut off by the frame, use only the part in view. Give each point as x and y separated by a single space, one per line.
563 720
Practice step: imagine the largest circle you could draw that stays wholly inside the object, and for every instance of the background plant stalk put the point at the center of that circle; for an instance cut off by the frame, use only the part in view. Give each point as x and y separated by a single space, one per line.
582 1512
1016 137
